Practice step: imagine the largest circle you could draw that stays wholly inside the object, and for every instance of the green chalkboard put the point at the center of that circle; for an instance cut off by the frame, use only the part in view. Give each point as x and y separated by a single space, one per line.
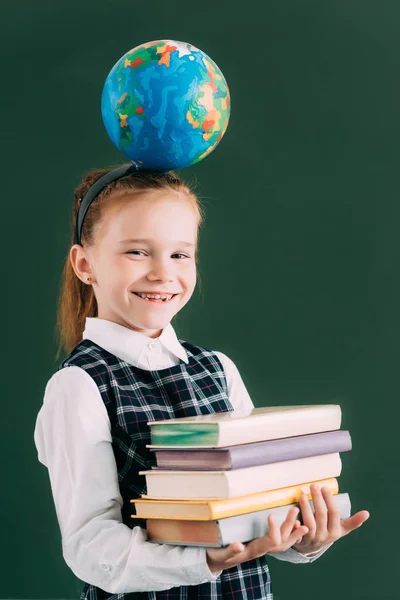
299 256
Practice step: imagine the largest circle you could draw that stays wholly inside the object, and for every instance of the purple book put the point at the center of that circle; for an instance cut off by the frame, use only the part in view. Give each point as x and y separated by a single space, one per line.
250 455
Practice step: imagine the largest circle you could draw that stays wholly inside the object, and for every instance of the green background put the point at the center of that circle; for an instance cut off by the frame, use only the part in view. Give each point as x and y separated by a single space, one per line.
298 258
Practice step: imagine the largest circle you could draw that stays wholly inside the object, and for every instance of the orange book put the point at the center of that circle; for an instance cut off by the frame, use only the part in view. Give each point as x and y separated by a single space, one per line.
208 510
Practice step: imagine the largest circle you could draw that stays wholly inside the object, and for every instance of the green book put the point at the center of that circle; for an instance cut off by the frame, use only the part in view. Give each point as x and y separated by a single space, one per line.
235 427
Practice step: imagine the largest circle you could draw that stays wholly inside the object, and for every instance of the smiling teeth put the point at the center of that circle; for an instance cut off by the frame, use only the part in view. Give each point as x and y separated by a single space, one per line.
165 297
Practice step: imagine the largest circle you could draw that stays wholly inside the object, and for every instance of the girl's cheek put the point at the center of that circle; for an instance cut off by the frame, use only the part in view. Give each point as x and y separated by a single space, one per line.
189 266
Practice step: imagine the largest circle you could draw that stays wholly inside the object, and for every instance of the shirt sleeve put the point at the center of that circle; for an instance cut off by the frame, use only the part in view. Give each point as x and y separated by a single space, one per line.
240 400
237 392
73 440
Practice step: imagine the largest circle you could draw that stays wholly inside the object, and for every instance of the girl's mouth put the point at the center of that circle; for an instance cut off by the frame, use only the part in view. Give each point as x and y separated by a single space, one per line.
155 298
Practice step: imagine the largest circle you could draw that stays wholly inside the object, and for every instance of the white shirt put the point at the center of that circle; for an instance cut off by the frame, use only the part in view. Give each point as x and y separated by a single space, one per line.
73 440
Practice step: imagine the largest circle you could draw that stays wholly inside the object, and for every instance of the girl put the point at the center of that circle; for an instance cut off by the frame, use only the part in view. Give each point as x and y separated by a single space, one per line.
131 268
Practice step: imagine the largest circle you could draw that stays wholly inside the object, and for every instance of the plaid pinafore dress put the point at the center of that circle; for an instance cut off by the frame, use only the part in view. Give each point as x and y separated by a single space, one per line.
134 396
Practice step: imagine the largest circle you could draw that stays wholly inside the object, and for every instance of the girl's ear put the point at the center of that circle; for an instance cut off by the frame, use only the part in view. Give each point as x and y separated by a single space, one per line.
81 264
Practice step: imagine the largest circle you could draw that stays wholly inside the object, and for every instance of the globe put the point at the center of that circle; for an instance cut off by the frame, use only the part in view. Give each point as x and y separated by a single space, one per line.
165 105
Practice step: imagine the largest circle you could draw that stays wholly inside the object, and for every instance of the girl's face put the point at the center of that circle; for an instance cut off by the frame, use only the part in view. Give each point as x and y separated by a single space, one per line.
144 245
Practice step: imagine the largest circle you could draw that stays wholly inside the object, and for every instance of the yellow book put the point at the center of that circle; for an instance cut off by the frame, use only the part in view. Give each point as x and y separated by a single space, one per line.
208 510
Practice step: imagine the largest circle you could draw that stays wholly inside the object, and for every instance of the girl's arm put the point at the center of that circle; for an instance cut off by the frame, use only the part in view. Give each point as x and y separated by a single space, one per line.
240 400
73 440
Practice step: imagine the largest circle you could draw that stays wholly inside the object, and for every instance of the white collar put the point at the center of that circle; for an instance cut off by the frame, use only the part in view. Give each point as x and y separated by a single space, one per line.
127 344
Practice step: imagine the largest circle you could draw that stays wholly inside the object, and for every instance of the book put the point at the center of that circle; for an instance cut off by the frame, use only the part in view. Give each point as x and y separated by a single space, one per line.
222 532
227 484
250 455
207 510
238 427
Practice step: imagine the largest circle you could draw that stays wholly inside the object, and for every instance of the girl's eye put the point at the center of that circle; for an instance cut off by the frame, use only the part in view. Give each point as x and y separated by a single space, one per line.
141 253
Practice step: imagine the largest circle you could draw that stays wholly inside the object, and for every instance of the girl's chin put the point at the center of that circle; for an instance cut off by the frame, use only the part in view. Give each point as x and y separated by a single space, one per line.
153 324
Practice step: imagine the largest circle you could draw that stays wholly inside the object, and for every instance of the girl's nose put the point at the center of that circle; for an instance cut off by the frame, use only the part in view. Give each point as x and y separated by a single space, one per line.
159 272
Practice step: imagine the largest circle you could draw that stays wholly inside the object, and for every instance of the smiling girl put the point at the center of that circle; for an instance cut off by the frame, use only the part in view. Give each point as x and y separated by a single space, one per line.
130 269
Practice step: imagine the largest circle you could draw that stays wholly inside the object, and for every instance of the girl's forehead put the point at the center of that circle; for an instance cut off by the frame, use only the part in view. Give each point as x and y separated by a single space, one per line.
160 215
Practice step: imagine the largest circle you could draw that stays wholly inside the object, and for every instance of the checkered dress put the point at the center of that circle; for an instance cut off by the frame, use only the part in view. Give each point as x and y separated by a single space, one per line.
134 396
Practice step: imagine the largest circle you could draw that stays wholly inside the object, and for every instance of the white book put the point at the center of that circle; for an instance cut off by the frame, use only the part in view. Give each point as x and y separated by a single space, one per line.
186 485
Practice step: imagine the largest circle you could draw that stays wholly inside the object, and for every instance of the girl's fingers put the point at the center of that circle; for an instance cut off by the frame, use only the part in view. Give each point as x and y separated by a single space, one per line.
273 542
274 533
307 514
334 522
236 548
320 510
353 522
236 554
290 533
226 554
297 535
262 545
289 523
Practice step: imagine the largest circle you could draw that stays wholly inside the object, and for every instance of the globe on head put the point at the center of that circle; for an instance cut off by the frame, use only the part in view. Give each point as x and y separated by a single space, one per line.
165 105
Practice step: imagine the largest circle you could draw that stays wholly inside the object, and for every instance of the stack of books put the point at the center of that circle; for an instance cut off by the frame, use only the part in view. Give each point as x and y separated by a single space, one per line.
218 476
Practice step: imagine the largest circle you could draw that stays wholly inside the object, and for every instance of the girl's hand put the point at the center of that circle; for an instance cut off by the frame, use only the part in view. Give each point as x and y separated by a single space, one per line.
325 525
276 540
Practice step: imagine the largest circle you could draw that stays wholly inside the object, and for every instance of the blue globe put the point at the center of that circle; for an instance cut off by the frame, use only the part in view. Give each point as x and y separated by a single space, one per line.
165 105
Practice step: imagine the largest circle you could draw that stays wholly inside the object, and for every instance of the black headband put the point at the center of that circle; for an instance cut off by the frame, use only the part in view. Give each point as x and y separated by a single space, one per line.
96 188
